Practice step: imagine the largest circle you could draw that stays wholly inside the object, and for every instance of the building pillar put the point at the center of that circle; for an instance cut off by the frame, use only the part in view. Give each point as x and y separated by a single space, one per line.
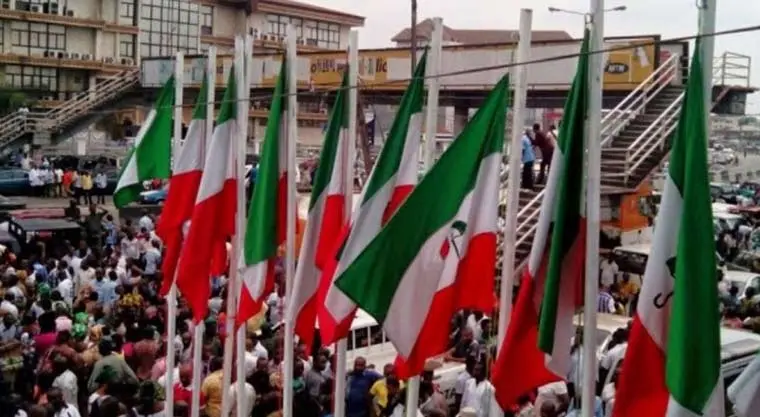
7 46
138 37
461 116
116 36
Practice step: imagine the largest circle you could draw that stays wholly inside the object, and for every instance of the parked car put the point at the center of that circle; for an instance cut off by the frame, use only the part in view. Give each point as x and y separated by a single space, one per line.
723 193
14 182
154 196
8 204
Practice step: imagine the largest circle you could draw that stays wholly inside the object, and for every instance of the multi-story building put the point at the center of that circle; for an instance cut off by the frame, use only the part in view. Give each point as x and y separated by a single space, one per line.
53 49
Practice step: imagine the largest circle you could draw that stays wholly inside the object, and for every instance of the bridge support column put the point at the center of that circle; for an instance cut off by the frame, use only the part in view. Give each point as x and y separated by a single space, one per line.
461 115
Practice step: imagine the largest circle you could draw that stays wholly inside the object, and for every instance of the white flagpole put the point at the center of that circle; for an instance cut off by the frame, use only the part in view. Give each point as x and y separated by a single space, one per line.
707 14
593 166
353 94
243 92
290 244
520 81
171 299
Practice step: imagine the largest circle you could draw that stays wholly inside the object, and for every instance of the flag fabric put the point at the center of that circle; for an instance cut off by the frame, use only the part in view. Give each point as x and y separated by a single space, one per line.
326 217
392 179
536 348
442 243
745 391
213 219
183 187
671 369
265 228
149 159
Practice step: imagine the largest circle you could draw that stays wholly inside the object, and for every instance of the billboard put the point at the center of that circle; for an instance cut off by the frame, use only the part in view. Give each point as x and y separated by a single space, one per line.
389 69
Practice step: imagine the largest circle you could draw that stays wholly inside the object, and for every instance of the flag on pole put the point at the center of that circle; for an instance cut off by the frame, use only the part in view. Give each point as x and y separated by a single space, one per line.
183 187
539 350
326 217
213 220
265 229
392 179
442 244
670 368
745 391
150 157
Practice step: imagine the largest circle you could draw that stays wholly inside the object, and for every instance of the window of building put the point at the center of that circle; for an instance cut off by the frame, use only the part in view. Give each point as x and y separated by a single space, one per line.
315 33
127 9
36 38
127 46
207 20
168 27
35 78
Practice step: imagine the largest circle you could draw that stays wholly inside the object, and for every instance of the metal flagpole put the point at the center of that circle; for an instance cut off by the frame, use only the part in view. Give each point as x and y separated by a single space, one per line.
171 299
593 166
520 80
350 148
431 131
707 13
290 244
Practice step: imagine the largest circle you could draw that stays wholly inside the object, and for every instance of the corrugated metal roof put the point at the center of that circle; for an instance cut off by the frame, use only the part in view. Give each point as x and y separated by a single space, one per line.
477 36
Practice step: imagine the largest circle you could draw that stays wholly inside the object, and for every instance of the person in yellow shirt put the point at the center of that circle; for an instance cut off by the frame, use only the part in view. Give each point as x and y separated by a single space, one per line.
379 390
86 179
212 390
627 288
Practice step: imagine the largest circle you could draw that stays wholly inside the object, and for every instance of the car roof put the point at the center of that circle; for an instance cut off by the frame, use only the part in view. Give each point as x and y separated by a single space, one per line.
639 248
739 276
737 343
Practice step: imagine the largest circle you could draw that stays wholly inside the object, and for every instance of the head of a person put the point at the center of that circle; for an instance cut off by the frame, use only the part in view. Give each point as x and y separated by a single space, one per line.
298 368
548 409
186 374
55 399
467 335
469 363
215 364
389 370
105 347
536 127
360 364
320 363
479 372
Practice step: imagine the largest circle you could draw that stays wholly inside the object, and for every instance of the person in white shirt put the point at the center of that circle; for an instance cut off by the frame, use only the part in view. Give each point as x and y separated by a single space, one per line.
35 181
8 305
58 182
67 290
66 381
462 378
609 270
249 396
145 221
555 393
60 407
478 392
101 182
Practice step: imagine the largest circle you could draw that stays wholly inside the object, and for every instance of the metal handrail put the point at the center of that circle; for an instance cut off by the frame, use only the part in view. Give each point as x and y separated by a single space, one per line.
635 148
668 125
640 97
614 121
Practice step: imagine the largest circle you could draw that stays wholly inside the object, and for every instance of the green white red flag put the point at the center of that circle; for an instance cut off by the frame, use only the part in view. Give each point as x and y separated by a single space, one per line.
265 227
326 219
442 244
392 179
536 348
672 368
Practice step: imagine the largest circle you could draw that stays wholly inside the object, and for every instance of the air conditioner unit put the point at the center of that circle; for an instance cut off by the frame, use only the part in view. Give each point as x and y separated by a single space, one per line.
127 61
64 55
108 60
301 41
49 54
87 57
60 54
5 4
70 13
35 8
281 38
74 55
53 8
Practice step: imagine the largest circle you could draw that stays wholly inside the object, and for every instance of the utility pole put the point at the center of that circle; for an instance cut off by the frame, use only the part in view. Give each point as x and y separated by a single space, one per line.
413 43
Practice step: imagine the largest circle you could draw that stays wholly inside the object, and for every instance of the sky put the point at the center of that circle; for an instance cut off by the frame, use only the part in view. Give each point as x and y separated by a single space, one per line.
669 18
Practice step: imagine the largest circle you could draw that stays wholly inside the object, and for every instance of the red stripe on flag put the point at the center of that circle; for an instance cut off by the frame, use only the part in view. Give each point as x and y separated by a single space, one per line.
397 198
330 230
248 306
641 389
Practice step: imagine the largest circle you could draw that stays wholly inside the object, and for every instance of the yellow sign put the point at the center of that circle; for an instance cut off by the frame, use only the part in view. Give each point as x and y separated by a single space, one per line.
627 68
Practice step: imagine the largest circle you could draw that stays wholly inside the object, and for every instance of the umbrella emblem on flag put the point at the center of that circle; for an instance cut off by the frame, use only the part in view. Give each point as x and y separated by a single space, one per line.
455 235
661 300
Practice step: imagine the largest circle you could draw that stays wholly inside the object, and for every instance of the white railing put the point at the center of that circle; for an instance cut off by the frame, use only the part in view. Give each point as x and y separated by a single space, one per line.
86 101
11 127
612 124
634 104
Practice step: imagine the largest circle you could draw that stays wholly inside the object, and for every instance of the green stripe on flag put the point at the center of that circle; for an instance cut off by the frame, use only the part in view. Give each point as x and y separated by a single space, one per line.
411 103
150 157
693 355
228 108
200 111
261 228
337 122
566 220
372 279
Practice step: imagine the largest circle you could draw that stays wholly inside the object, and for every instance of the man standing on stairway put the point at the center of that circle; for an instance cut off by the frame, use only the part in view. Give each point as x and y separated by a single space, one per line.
528 159
546 145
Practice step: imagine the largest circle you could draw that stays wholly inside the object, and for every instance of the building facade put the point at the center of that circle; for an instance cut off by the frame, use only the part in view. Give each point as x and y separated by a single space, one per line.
52 49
